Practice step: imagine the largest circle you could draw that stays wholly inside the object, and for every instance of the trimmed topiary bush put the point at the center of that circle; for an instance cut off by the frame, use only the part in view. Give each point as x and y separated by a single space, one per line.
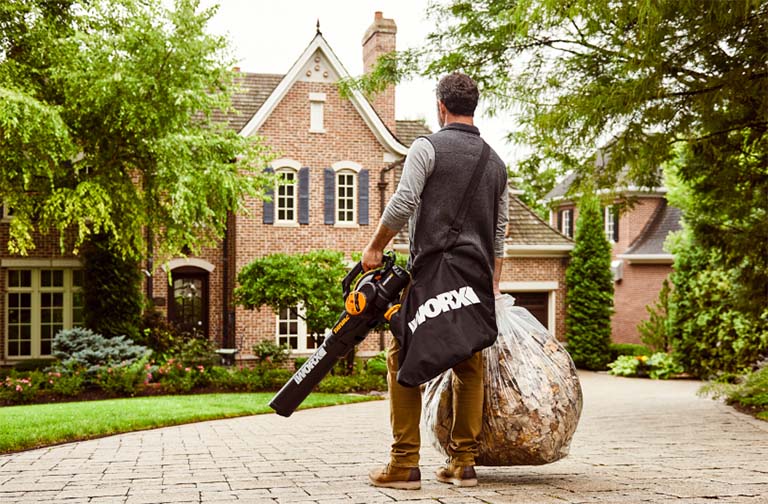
590 290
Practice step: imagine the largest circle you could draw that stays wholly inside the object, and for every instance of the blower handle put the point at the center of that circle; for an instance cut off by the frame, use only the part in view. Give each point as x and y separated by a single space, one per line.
346 284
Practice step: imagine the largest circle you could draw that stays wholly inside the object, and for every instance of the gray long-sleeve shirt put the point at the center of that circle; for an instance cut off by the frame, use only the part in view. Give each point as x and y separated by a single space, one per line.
405 203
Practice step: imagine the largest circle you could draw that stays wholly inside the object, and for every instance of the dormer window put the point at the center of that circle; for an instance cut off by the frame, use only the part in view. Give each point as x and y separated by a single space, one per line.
316 112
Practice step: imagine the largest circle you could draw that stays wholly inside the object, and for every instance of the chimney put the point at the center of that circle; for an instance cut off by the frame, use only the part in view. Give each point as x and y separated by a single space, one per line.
379 39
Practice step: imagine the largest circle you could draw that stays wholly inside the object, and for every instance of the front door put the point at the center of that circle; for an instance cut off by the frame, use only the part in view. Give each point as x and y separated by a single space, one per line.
188 307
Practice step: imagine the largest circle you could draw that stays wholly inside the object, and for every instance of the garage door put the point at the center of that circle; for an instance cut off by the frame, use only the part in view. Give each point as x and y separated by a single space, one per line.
535 302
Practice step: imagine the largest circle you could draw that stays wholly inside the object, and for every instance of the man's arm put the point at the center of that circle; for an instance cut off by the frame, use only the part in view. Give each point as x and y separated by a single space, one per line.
498 262
418 166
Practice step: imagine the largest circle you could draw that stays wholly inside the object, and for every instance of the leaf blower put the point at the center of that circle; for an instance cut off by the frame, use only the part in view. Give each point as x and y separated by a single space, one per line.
374 299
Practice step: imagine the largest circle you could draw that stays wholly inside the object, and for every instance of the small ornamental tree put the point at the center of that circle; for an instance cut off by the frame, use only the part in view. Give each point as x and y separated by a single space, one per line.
311 280
590 289
111 290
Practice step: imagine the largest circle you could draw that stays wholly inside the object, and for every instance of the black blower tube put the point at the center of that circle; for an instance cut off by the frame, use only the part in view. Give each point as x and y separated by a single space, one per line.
373 301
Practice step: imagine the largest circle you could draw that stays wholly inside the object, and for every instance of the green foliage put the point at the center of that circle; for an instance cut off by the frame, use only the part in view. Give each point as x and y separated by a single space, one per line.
654 332
195 352
619 349
178 377
111 290
750 390
590 290
157 332
69 383
32 364
659 366
21 389
311 280
377 365
649 83
106 126
271 354
124 379
82 348
342 384
709 332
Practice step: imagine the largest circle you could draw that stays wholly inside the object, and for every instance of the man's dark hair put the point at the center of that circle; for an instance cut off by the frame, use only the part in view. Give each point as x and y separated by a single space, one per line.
459 94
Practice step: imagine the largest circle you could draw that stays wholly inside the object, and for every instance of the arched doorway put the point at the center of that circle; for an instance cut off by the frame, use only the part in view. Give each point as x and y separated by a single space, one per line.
188 306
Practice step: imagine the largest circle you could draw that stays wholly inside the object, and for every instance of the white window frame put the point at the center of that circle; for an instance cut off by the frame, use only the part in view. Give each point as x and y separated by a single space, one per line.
302 334
68 289
317 112
7 213
566 221
608 226
292 206
346 168
285 165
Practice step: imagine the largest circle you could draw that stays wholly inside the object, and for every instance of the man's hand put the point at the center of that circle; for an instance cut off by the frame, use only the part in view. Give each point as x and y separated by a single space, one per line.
372 258
373 253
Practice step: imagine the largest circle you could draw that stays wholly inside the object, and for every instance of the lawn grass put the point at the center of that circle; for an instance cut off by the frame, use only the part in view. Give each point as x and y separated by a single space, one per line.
34 426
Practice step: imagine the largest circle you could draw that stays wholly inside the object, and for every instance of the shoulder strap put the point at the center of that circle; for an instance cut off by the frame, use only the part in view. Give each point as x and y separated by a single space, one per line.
474 183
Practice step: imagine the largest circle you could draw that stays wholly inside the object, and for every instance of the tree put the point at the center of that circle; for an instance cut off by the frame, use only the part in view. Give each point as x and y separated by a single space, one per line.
106 125
636 79
311 280
589 280
111 290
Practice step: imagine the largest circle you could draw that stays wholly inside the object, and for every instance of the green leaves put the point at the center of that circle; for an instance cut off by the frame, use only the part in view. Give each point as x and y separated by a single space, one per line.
311 280
104 125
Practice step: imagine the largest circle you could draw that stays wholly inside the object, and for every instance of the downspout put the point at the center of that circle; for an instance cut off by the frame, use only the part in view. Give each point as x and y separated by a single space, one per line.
382 186
225 286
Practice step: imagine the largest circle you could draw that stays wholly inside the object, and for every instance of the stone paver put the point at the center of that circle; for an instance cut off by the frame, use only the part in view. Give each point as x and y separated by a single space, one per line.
639 441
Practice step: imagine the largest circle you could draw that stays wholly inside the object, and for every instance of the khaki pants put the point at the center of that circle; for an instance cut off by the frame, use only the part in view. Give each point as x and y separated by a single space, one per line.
405 412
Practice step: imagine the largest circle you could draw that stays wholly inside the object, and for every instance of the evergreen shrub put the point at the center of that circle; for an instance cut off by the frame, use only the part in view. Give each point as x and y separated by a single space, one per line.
80 348
590 289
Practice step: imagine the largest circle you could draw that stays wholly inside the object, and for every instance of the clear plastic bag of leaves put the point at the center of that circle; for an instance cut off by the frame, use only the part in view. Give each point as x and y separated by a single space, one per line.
532 400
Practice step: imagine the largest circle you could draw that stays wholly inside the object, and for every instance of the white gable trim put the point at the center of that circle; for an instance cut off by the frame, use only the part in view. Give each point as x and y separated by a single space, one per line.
286 163
371 119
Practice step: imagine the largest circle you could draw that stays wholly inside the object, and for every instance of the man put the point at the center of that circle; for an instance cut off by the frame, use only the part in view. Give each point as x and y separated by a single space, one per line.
435 176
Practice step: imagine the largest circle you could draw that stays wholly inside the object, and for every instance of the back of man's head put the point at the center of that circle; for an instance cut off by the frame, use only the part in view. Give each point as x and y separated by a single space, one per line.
459 94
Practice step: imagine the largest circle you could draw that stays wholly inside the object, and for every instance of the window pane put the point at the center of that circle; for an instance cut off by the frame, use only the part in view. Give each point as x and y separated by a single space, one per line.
13 278
45 278
25 348
45 347
13 348
58 278
77 278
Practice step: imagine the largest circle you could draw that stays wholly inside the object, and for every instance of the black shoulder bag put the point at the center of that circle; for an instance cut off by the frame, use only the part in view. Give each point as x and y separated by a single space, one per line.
448 313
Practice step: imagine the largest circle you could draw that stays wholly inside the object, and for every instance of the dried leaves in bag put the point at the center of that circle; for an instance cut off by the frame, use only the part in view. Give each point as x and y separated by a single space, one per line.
532 400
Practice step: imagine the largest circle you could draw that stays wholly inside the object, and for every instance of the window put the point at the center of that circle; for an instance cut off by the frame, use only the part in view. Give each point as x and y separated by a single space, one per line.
285 203
611 223
292 330
6 212
316 111
565 222
39 303
345 197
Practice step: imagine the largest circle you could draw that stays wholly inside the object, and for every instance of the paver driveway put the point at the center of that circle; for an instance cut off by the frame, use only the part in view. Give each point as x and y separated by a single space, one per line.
638 441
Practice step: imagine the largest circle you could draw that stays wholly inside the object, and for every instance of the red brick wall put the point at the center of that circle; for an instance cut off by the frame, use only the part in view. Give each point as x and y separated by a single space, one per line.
346 138
540 269
639 288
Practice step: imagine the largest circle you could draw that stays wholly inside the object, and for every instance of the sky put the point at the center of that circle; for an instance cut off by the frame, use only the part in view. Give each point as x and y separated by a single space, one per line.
268 37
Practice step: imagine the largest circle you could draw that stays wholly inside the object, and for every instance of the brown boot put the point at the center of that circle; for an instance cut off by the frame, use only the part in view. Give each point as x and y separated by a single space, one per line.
463 476
402 478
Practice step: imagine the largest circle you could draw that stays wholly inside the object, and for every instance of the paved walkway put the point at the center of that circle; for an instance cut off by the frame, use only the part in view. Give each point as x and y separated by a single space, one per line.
638 441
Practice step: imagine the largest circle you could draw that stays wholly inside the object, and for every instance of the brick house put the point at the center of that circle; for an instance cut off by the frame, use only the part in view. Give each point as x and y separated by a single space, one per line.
637 233
345 157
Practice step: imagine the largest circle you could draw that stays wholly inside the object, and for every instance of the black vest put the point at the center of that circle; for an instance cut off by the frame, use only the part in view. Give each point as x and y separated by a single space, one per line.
457 151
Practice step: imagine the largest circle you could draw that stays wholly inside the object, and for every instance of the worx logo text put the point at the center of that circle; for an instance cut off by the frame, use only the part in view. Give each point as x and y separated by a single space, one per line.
447 301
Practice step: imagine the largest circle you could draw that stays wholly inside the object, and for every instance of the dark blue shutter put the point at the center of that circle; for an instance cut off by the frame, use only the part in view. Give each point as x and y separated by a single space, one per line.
269 204
330 196
570 223
615 217
304 196
362 197
560 220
